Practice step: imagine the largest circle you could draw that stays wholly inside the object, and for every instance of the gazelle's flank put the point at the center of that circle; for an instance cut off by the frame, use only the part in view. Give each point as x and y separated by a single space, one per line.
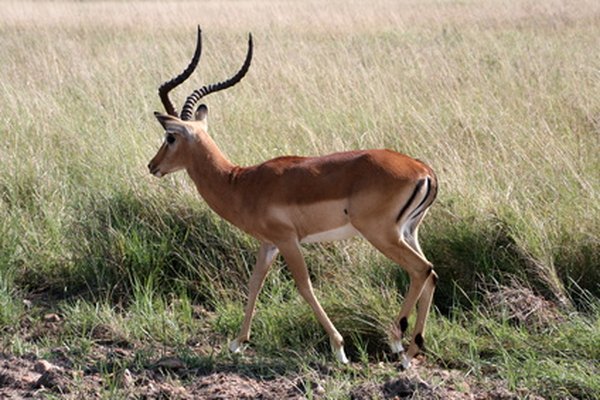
381 195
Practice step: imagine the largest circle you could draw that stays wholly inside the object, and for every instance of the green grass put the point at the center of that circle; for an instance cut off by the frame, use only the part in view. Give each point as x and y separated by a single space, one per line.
556 361
501 99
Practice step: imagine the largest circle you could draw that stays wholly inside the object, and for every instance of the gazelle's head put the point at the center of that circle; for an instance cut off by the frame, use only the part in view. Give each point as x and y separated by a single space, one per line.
182 131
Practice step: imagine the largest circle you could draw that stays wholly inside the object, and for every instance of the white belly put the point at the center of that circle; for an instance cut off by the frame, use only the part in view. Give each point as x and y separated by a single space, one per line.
343 232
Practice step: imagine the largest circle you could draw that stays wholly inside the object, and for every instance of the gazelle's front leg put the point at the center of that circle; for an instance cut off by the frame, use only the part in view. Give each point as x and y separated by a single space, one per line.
293 256
266 256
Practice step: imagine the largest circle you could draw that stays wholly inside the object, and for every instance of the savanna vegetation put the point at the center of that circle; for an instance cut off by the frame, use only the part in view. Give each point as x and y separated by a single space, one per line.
501 98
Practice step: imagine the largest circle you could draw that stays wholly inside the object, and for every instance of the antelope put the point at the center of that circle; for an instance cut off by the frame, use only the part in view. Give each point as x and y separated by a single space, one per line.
284 202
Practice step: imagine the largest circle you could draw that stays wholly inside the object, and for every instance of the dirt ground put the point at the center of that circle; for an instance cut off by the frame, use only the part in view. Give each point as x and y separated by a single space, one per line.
109 369
29 377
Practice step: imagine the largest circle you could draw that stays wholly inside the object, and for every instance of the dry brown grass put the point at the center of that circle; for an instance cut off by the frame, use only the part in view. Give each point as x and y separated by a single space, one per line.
501 97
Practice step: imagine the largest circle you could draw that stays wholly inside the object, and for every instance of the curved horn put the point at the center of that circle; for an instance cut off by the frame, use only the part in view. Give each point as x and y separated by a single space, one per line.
165 88
190 102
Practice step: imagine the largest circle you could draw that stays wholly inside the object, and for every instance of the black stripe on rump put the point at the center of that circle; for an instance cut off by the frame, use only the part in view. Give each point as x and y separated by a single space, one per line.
417 212
411 199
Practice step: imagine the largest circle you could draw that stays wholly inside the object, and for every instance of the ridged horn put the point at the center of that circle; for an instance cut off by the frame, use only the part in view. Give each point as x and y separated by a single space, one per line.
165 88
192 100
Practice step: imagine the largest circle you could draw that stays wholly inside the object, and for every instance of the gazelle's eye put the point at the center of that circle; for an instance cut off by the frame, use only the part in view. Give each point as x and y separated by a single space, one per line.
170 139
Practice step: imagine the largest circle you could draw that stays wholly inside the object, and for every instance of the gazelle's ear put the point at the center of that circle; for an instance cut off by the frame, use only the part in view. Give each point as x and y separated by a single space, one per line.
164 119
172 124
202 116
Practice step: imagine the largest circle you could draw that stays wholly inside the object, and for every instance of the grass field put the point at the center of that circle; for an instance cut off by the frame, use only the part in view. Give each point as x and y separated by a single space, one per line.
99 258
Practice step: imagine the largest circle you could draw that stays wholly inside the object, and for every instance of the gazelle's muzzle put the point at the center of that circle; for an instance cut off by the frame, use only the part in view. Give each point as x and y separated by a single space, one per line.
156 161
154 169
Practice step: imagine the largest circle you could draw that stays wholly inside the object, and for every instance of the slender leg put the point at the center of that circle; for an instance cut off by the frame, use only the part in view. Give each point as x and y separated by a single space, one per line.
416 286
266 256
410 234
293 256
418 279
423 307
410 258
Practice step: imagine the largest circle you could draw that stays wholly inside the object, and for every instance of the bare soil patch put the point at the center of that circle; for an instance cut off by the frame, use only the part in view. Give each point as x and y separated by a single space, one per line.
170 378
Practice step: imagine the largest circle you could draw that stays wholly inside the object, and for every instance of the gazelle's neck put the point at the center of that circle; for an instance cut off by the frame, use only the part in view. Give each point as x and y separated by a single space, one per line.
210 170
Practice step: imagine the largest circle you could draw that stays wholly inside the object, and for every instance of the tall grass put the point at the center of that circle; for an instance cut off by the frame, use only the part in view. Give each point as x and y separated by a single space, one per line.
503 106
501 98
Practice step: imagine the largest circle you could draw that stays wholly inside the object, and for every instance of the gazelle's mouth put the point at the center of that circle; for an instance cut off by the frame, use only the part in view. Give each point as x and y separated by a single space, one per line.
155 171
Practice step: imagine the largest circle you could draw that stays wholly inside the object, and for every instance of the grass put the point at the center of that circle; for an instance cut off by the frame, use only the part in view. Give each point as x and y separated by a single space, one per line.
499 97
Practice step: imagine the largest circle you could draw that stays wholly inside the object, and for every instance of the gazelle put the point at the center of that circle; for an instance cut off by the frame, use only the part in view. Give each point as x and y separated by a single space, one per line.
381 195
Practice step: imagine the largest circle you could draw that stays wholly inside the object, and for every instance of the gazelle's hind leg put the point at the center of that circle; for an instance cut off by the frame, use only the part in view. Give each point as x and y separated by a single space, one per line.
410 234
407 254
423 306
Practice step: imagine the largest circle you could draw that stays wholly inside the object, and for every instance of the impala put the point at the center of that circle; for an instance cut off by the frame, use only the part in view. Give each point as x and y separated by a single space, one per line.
381 195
